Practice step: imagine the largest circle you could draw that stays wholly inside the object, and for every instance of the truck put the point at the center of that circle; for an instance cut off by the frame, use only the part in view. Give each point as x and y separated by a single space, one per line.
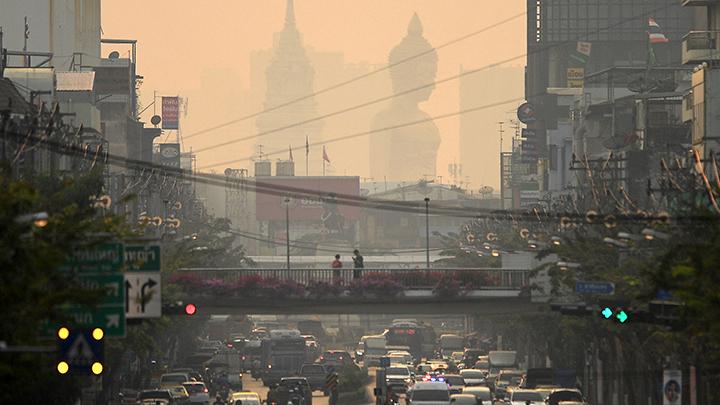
500 360
450 343
373 348
283 352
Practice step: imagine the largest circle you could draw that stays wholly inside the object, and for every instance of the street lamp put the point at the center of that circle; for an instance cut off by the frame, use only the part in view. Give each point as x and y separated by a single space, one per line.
427 232
564 266
287 230
556 240
39 219
615 242
651 234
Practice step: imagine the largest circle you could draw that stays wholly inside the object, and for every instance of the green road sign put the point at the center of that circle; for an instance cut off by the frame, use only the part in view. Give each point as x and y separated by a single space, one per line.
142 257
113 284
104 258
110 318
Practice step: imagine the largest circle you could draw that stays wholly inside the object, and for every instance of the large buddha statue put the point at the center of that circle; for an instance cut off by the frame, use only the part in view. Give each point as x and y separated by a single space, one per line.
400 152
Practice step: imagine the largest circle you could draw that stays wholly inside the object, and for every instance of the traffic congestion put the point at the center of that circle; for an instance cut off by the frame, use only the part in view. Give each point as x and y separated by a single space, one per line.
254 361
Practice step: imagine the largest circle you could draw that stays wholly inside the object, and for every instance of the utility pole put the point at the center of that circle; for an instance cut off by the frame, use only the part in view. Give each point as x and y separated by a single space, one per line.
26 36
287 230
427 232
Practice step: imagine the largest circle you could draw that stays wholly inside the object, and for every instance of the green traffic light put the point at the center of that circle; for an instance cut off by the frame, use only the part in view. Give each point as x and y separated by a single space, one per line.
621 316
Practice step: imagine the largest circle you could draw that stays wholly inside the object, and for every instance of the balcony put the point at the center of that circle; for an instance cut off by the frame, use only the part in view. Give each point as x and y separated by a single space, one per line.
690 3
701 46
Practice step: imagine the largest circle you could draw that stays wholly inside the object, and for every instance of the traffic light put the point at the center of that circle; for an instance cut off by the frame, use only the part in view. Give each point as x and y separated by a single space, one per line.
180 308
81 351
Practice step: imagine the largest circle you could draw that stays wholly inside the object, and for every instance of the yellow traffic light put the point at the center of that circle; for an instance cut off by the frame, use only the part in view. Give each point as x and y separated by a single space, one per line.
63 333
97 368
98 333
63 367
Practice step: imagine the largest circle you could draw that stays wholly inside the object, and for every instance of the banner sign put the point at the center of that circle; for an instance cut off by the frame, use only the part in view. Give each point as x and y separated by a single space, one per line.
575 77
672 387
169 154
170 112
526 113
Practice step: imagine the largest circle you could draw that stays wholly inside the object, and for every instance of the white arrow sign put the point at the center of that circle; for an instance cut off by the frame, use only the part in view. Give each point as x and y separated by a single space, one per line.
112 321
143 295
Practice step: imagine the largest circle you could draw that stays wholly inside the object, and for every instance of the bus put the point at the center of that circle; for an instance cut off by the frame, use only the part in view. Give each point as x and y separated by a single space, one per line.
283 352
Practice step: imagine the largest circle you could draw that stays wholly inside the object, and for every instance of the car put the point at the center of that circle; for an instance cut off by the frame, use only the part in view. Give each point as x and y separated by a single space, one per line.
522 396
399 377
545 390
457 357
156 397
564 394
301 383
400 358
504 380
335 359
429 393
455 382
190 372
482 363
316 375
471 356
173 379
198 392
481 393
473 377
179 393
423 368
245 398
464 399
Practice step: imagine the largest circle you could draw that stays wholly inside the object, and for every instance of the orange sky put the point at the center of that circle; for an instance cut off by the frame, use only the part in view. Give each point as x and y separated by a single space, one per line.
201 49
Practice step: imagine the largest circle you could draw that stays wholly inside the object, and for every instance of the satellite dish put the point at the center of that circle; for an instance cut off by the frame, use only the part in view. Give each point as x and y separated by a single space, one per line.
114 55
155 119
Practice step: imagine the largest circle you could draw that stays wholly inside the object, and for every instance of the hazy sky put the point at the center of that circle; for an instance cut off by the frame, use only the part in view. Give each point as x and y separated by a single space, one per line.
201 49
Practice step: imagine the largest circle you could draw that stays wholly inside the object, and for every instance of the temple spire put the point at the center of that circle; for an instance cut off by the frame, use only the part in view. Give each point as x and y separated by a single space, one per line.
290 13
415 27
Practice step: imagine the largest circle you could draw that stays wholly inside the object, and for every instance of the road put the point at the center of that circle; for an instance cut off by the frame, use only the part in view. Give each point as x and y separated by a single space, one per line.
249 384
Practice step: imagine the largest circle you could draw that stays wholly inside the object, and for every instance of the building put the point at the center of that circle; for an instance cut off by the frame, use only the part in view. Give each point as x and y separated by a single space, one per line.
68 29
701 51
289 76
479 137
568 40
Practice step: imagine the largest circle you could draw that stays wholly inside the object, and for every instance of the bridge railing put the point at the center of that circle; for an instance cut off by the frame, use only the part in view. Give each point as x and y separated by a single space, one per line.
469 278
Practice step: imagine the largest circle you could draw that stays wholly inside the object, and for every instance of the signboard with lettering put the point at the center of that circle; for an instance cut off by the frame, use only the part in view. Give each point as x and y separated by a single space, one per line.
170 112
575 77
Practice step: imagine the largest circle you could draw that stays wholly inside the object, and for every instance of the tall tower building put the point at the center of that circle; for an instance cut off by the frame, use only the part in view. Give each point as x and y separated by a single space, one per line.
289 76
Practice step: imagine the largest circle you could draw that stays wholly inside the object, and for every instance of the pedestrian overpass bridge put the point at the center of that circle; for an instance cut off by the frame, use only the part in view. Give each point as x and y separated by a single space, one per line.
477 291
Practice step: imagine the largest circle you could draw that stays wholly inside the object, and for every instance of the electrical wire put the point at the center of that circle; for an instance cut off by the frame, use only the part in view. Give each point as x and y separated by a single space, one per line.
358 78
414 207
428 85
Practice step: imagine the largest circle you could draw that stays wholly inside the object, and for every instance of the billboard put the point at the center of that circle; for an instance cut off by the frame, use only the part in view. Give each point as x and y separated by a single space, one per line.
169 154
170 112
321 208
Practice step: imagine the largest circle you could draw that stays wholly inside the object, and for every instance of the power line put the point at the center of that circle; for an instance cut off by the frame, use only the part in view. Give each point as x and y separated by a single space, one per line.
357 78
434 83
372 131
414 207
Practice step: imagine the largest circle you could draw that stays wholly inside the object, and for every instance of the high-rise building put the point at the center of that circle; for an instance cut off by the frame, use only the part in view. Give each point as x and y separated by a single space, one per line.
289 76
569 39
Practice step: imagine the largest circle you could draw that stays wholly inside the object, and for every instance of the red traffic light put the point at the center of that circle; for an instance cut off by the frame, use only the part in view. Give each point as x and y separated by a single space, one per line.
190 309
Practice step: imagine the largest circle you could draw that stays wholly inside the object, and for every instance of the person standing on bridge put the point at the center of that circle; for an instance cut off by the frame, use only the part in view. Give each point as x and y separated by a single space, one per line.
358 264
336 265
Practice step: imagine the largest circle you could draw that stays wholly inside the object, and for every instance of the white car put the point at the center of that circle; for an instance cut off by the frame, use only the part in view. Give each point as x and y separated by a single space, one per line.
198 392
521 396
398 377
429 393
481 393
473 377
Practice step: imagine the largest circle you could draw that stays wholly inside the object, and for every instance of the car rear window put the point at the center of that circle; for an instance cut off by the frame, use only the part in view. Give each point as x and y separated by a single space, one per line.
430 395
174 378
397 371
526 396
472 374
194 388
154 394
455 380
313 369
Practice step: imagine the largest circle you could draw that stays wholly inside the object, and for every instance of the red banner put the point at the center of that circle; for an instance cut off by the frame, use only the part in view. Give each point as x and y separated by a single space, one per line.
170 112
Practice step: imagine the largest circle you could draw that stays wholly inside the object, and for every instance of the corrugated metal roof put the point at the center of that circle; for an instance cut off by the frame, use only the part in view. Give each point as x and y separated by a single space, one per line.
74 81
11 99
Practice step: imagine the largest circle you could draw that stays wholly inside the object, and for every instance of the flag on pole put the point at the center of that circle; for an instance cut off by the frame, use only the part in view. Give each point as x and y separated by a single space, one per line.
655 33
307 146
325 155
291 156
